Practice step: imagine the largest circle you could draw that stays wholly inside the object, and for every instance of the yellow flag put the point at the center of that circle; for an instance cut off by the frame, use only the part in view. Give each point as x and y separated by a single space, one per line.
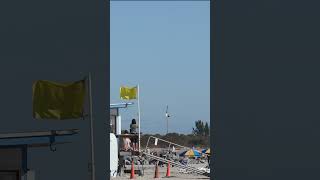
53 100
128 93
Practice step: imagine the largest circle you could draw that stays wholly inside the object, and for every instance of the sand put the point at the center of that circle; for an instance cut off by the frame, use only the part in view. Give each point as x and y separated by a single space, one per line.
149 172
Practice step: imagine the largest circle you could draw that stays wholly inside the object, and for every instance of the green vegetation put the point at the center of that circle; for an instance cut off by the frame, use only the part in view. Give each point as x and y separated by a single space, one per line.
201 129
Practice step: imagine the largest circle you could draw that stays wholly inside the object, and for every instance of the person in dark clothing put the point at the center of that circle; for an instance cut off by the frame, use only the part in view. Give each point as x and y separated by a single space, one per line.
134 130
133 127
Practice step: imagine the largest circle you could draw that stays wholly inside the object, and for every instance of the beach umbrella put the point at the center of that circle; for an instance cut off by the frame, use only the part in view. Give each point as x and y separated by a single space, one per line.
182 153
204 150
199 150
208 151
191 153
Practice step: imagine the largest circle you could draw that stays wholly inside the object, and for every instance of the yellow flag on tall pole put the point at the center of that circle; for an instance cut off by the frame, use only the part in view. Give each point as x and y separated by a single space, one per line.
128 93
53 100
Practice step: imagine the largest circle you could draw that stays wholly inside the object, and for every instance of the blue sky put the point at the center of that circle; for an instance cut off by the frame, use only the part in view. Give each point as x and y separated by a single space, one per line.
165 48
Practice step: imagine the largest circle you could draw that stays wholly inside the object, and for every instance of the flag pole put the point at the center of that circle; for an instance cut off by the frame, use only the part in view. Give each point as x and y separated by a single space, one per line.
167 117
139 115
93 169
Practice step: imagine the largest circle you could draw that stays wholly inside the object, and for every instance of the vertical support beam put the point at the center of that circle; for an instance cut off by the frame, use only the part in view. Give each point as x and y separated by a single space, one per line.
24 155
100 71
93 169
139 115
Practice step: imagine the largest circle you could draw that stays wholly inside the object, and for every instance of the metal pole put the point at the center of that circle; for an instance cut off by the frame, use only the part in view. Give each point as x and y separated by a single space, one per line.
167 117
167 124
93 169
139 115
147 143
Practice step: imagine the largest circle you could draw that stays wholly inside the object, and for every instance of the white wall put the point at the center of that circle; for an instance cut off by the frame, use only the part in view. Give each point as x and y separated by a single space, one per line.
56 40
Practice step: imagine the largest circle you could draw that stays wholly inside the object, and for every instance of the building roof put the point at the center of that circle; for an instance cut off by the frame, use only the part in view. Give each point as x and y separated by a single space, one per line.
36 138
120 105
31 134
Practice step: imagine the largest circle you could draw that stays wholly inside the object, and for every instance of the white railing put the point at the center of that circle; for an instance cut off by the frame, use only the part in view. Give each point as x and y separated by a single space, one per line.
186 167
170 143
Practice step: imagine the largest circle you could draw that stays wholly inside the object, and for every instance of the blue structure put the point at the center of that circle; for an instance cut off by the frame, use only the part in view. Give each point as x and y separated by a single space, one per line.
20 142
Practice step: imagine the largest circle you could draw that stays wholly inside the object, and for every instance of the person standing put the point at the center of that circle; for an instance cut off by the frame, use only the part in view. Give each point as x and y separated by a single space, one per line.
134 130
174 150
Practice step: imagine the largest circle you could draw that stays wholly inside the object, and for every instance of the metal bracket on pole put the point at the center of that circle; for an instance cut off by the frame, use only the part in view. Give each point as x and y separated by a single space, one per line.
52 140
